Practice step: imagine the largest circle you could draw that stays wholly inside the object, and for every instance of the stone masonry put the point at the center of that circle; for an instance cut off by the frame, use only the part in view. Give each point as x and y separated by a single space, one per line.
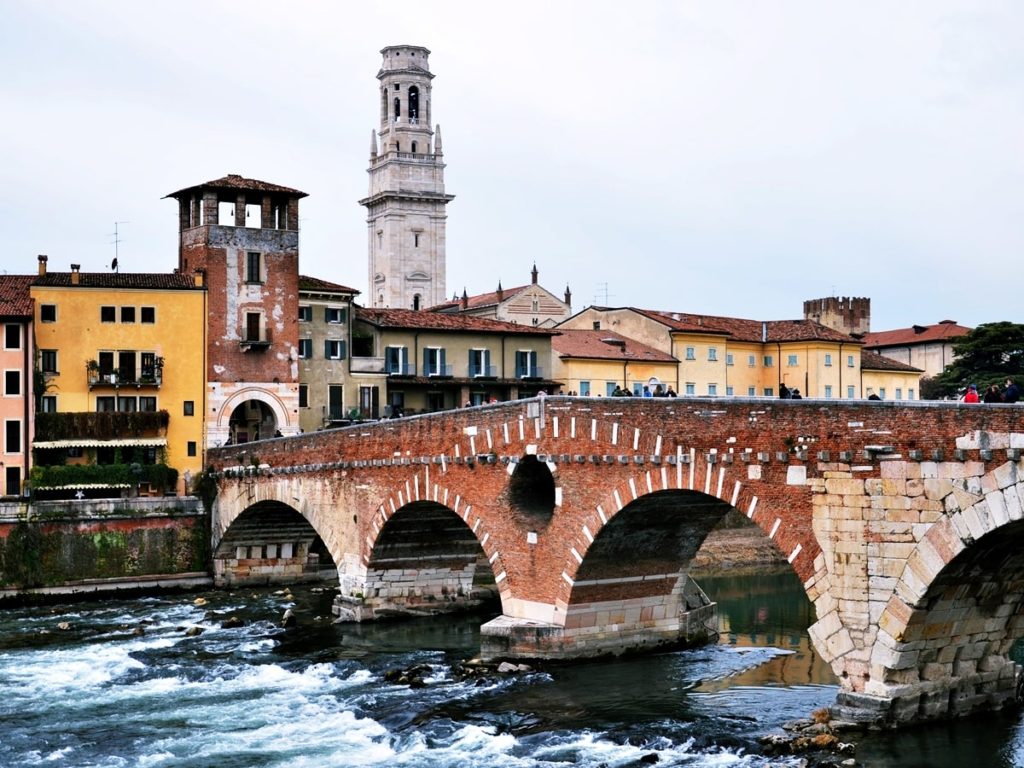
903 521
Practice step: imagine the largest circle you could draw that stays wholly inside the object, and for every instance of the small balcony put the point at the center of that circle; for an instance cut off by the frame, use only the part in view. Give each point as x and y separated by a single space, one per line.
257 339
439 371
534 372
123 377
400 369
366 364
483 371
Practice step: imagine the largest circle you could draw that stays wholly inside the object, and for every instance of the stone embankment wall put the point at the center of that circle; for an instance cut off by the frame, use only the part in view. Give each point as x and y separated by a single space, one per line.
81 546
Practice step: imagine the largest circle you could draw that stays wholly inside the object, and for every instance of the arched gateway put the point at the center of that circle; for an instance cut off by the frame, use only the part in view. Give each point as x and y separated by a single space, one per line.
583 514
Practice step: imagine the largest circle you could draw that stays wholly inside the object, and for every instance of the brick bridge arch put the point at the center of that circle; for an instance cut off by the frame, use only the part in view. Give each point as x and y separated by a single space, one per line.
850 492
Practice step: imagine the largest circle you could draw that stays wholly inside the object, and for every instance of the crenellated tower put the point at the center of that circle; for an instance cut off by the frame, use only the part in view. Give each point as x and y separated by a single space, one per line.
406 202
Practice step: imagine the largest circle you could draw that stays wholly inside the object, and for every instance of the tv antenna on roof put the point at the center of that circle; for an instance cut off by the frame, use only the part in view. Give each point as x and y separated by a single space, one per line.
603 293
117 242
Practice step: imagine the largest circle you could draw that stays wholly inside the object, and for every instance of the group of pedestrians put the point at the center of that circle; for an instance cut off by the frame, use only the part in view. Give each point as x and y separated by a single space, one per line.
785 393
1010 394
658 391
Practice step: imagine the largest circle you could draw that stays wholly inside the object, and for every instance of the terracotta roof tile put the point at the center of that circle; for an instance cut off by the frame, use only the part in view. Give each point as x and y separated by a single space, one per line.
872 361
605 345
410 318
152 280
740 329
234 181
947 330
15 300
480 300
307 283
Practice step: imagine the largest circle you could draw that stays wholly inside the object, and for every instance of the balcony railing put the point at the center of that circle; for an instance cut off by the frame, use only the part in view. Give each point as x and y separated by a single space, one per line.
260 340
439 370
125 378
366 364
483 371
536 372
400 369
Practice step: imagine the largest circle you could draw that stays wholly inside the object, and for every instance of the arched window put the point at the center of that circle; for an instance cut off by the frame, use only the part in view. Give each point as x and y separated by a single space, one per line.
414 147
398 107
414 104
416 301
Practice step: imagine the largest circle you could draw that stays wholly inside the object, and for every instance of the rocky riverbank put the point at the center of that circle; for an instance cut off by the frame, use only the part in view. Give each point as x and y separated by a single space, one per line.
736 550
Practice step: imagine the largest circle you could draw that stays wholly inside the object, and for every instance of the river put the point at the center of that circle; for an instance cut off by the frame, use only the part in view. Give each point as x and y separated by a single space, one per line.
99 693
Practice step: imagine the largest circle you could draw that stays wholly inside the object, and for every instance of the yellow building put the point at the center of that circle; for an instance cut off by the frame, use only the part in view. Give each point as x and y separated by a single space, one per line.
120 350
743 358
889 379
594 363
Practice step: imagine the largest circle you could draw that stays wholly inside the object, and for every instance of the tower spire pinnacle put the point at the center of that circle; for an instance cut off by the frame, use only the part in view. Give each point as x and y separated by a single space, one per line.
373 144
438 150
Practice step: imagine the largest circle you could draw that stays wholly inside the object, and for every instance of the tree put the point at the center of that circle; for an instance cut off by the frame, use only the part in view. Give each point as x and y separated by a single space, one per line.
987 355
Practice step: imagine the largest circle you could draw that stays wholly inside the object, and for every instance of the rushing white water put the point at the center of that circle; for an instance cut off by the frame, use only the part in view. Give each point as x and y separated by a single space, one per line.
104 693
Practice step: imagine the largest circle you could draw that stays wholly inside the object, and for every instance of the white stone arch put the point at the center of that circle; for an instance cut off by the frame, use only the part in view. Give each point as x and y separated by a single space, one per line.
974 513
219 429
237 496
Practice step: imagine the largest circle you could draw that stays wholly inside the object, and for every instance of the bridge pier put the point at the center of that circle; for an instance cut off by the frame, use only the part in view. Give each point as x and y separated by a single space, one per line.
441 585
993 689
606 628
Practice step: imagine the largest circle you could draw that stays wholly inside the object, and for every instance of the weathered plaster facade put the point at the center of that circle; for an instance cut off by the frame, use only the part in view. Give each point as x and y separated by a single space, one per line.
243 236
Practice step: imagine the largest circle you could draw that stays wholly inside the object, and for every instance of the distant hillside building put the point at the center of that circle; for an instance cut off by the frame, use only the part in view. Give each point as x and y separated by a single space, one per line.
530 304
927 347
405 207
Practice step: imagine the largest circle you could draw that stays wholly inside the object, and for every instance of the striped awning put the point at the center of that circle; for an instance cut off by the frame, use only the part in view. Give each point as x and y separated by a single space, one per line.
85 442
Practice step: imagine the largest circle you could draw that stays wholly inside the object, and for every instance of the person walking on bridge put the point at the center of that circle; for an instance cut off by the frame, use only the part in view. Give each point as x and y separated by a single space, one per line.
971 395
1012 392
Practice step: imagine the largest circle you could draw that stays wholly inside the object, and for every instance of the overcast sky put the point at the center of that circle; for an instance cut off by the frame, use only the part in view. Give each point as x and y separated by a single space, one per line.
731 158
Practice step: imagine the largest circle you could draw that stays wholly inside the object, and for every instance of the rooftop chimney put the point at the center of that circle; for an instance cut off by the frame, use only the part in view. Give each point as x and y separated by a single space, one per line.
500 293
568 296
42 264
533 274
74 273
464 302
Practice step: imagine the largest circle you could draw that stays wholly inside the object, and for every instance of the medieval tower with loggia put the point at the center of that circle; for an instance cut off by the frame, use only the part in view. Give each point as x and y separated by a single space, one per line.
406 204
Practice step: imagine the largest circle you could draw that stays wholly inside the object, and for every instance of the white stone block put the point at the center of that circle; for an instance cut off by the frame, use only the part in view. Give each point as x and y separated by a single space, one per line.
1011 496
997 508
796 474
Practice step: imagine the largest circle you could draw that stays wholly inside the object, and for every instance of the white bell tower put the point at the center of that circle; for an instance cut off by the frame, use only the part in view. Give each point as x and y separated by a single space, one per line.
406 204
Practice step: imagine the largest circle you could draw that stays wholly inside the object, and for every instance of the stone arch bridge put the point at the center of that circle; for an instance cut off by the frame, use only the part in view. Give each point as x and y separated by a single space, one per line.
902 520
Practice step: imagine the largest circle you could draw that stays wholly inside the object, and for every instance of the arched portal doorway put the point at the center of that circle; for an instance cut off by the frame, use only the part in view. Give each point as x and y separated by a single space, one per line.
252 420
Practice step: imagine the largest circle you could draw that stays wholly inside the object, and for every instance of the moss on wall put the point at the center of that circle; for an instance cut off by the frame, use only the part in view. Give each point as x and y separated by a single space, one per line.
36 555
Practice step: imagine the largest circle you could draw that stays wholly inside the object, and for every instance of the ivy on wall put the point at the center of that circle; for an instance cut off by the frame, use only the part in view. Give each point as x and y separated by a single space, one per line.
160 476
99 425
